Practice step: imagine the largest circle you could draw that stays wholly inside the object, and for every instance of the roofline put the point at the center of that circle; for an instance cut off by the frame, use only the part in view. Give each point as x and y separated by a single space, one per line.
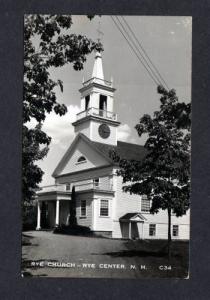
101 86
54 193
99 119
131 144
96 191
84 171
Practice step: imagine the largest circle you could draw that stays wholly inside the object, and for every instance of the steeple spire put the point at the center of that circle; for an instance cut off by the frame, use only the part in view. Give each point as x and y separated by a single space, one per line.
98 68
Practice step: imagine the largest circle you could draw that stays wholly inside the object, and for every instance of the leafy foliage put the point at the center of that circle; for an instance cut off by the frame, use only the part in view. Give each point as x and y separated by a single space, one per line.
164 173
48 43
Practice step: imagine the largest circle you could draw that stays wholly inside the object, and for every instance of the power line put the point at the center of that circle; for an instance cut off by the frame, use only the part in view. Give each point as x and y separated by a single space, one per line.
137 48
151 75
144 51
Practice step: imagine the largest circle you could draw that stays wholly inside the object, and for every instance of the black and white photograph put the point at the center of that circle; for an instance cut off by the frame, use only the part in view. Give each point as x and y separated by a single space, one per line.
106 146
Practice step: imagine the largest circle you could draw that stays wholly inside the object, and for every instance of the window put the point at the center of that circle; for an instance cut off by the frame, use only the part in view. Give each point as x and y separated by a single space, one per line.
145 204
81 159
87 102
83 208
67 186
96 182
104 208
152 229
175 230
102 105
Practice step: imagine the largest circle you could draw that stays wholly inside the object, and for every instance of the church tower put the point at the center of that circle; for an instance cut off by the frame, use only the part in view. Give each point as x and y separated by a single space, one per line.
97 119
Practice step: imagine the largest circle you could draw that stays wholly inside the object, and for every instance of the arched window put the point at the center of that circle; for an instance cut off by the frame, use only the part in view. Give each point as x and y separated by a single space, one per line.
81 159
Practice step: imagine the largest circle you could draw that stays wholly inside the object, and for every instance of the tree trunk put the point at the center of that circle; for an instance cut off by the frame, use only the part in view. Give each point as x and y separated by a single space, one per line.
169 232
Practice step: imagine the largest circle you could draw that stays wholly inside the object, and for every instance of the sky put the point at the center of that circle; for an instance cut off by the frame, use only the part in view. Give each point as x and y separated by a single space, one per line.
167 40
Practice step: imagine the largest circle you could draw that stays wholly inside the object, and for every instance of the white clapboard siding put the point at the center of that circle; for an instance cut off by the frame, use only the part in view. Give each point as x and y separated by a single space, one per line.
162 231
102 223
105 183
84 221
117 231
162 217
124 202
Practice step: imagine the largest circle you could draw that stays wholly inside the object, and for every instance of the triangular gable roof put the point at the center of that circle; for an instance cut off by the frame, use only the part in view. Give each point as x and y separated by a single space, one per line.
135 216
124 150
71 148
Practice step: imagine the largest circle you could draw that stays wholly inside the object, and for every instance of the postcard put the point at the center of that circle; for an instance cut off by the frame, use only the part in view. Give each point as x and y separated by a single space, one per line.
106 146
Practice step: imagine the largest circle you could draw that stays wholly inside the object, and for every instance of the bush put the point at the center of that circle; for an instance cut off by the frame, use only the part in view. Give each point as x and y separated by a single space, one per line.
73 230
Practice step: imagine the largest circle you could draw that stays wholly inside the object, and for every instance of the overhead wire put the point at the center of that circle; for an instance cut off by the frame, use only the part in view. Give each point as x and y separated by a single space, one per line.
155 76
137 48
144 51
136 53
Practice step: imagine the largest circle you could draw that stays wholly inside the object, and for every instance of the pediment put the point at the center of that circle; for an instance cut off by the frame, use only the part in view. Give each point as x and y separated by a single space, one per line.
138 218
80 156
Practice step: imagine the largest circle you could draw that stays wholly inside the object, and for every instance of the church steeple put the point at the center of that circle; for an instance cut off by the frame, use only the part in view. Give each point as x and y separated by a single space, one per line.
98 67
97 120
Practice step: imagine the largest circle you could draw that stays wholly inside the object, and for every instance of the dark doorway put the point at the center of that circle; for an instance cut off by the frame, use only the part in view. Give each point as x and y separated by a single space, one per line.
44 215
134 230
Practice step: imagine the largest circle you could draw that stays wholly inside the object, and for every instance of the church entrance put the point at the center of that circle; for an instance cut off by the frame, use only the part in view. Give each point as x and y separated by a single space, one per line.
44 215
132 230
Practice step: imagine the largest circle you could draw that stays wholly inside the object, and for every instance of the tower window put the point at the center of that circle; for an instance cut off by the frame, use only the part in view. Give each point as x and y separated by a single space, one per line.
81 159
102 104
87 102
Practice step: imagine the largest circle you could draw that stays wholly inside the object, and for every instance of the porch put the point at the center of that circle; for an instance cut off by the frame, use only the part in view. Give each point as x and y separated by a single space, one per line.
132 226
52 206
53 201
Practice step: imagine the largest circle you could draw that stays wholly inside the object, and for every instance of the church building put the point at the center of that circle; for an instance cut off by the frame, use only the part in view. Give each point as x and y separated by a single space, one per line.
87 166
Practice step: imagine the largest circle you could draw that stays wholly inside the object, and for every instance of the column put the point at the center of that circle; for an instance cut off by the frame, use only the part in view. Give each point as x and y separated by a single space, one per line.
57 213
129 228
38 226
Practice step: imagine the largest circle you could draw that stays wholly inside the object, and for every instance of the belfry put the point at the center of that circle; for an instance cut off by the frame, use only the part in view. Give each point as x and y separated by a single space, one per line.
97 119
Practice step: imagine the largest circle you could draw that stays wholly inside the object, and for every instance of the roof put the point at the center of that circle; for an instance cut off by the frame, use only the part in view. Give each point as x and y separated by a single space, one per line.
129 216
124 150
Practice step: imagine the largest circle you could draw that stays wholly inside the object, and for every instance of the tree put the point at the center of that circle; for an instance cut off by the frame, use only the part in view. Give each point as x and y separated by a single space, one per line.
164 173
47 44
72 208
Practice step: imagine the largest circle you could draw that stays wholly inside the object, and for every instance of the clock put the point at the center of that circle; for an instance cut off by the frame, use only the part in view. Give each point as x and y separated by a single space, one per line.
104 131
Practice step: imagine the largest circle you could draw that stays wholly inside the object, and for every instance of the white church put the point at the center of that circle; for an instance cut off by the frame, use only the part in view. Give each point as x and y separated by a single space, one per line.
101 204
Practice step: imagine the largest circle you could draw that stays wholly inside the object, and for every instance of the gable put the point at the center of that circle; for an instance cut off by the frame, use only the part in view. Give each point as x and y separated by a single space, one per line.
80 150
138 218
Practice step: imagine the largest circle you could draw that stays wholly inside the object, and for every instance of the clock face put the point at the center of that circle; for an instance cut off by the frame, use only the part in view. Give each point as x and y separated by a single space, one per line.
104 131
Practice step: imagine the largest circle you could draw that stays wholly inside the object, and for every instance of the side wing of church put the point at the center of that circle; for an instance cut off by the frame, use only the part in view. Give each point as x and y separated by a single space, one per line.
101 204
